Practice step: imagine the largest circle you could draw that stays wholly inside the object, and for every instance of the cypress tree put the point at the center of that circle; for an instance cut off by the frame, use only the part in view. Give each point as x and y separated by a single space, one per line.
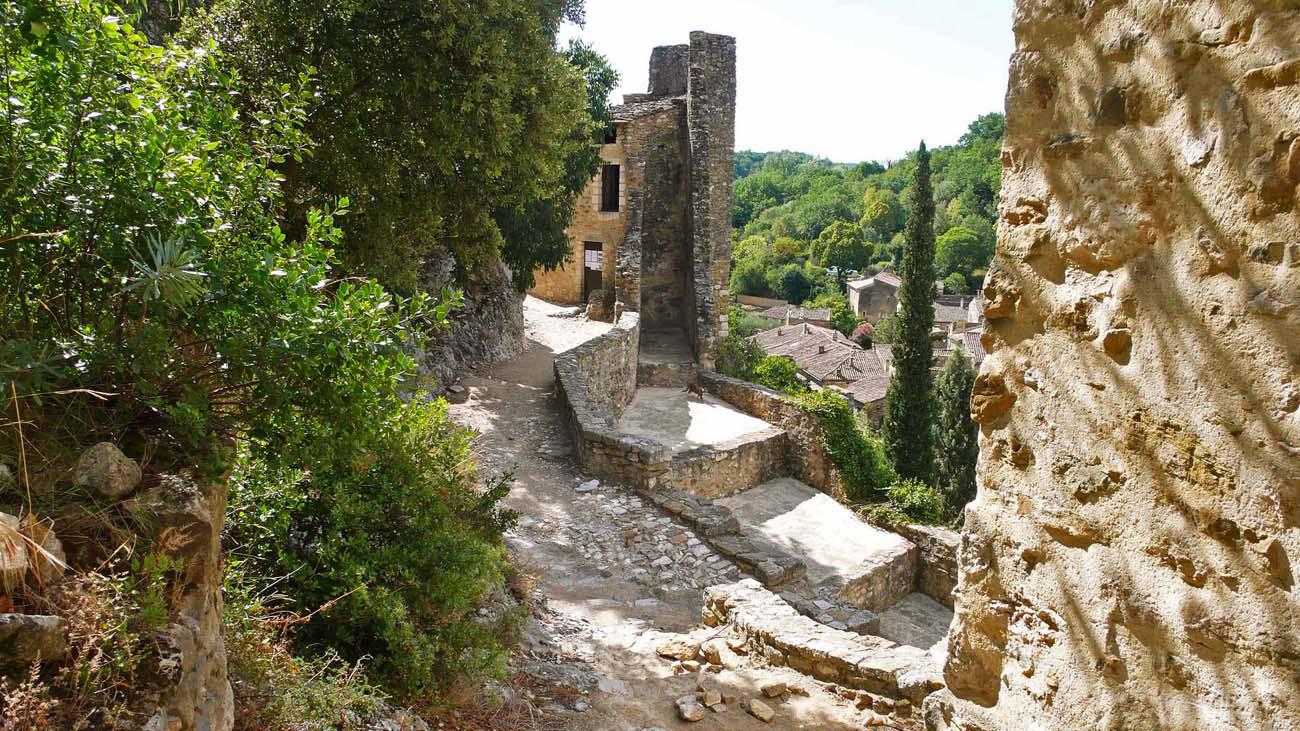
957 437
909 403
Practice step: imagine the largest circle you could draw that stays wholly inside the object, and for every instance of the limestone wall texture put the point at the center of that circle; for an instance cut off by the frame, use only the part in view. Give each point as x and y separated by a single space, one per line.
1130 560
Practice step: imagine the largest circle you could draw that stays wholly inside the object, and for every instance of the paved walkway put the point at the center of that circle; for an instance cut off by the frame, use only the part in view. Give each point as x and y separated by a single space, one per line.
620 576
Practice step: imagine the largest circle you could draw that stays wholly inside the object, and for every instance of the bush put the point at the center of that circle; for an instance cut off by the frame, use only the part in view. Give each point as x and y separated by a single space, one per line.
778 373
399 544
918 501
856 453
144 261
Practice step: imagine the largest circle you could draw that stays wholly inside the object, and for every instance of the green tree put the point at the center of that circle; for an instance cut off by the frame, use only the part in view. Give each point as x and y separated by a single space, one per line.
961 251
841 246
842 318
789 283
955 283
749 277
956 436
909 403
440 120
882 213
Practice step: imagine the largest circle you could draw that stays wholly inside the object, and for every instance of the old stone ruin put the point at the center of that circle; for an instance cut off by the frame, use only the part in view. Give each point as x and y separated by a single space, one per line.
1128 563
652 234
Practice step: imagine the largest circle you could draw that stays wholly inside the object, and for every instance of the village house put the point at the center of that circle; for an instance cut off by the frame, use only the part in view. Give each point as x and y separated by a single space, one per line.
874 297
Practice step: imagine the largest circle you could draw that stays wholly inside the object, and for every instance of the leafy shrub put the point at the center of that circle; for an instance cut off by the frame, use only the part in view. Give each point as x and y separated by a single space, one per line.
144 261
399 544
857 454
918 501
778 373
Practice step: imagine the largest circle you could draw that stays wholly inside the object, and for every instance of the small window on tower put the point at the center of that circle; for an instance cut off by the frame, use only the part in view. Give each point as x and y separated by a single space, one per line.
609 188
611 135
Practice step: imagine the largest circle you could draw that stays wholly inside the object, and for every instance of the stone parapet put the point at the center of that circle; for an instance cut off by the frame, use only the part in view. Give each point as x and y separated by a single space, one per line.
807 458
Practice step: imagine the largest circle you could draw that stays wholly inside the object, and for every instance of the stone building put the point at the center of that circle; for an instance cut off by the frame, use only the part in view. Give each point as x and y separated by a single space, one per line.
874 297
1131 559
653 229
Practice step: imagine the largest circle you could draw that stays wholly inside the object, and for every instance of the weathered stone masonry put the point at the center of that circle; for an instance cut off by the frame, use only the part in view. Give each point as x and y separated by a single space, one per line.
666 249
1130 560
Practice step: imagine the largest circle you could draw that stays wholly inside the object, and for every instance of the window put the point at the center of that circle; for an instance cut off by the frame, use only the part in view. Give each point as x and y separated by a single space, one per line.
611 135
609 188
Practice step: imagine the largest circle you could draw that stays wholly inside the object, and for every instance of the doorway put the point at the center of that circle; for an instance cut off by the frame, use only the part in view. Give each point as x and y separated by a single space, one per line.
593 268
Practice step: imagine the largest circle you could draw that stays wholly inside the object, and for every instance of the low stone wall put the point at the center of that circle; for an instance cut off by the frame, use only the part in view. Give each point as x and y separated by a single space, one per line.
936 571
776 631
888 576
595 382
722 469
807 458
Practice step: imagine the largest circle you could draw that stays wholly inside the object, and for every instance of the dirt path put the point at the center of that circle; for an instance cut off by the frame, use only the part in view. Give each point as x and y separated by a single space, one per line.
619 575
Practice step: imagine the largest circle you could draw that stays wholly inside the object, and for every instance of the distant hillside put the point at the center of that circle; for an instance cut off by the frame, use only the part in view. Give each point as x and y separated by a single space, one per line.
788 204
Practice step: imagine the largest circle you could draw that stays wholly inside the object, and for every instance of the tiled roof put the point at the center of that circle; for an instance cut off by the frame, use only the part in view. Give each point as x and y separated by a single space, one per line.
797 313
824 354
972 341
944 312
886 277
868 390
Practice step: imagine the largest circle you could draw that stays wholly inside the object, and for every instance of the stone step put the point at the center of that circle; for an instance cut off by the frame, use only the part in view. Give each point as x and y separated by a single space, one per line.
869 568
775 629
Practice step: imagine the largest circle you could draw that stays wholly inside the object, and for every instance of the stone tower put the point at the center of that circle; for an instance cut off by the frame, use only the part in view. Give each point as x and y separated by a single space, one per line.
1131 560
654 226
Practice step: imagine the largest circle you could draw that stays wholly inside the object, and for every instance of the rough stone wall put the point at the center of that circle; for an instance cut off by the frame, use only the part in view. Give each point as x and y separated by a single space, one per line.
1130 560
668 70
936 569
809 461
657 148
711 124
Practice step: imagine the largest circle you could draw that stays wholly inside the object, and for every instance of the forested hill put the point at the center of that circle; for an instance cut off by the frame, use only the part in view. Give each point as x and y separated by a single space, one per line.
795 211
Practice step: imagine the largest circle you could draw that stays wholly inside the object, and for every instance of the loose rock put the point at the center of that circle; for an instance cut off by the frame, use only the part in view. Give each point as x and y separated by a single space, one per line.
24 638
678 649
104 469
689 709
760 710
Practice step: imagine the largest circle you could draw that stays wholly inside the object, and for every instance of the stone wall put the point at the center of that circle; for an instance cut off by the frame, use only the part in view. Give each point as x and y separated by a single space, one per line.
711 123
668 70
774 630
936 569
809 461
658 152
721 469
1130 560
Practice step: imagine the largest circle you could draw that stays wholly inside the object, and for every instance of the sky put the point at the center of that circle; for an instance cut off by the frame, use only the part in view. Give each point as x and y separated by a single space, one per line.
849 80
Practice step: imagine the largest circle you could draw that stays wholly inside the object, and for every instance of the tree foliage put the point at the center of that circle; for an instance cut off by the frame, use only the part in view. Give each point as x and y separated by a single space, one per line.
813 201
451 126
909 409
144 260
956 435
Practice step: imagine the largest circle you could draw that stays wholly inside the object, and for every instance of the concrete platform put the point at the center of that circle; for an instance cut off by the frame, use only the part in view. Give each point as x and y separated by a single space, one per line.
875 568
681 422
